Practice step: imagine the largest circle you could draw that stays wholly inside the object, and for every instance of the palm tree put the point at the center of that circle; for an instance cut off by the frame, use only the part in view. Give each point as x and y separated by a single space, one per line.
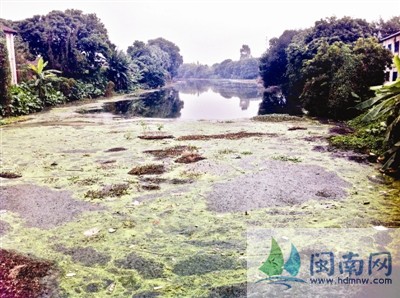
42 77
386 104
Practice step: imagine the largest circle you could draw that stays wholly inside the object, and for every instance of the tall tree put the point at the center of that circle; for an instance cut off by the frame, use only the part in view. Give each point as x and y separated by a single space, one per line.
386 28
175 58
273 62
71 41
152 62
245 52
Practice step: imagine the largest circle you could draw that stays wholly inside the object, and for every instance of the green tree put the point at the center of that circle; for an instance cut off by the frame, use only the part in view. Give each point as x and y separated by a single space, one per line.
340 74
43 78
386 105
74 42
245 52
175 58
152 62
386 28
273 62
122 72
308 43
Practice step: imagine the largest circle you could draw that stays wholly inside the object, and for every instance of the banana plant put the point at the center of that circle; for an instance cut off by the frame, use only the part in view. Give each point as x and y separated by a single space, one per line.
386 104
42 77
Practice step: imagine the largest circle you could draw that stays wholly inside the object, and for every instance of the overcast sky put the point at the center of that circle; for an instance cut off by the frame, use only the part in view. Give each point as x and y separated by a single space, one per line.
206 31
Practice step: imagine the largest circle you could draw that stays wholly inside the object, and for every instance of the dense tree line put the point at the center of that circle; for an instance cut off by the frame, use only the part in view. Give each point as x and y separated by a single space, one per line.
77 45
246 68
329 68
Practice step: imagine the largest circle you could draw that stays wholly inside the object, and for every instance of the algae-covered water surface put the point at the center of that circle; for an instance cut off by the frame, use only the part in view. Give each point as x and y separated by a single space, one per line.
115 206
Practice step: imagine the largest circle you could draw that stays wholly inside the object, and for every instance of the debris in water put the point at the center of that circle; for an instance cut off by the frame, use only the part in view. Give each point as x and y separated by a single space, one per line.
227 136
170 152
153 169
70 274
150 187
91 232
189 158
297 128
23 276
116 149
155 136
114 190
9 175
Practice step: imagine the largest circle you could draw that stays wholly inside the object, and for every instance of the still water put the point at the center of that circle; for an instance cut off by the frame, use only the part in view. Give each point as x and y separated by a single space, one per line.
197 99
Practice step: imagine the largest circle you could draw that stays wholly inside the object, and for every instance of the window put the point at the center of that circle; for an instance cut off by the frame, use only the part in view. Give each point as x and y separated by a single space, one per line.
387 76
394 76
390 47
396 47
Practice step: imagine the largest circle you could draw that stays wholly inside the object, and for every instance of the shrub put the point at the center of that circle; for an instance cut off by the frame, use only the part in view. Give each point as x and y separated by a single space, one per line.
24 100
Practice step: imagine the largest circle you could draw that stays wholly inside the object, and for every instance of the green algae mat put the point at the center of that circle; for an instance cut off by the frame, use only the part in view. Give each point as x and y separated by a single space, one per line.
93 205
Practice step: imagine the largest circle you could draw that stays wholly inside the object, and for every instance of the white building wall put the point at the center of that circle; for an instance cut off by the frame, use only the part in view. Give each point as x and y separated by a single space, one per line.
11 57
393 45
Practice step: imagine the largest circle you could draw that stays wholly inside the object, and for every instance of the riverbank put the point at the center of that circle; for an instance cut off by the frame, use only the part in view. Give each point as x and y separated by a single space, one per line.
84 201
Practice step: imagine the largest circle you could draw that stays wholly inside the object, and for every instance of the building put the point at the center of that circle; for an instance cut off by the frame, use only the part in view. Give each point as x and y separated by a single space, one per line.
392 43
9 34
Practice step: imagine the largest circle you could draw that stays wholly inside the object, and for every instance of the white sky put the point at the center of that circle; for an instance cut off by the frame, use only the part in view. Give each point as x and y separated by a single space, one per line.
206 31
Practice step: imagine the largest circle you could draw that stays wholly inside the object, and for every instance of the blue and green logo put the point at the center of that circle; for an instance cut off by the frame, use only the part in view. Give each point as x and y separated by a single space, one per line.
273 267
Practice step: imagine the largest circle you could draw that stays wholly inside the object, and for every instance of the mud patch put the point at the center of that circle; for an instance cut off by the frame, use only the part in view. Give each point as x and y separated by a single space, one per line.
147 268
236 290
226 136
43 207
23 276
87 256
4 227
206 263
153 169
116 149
170 152
190 158
9 175
280 184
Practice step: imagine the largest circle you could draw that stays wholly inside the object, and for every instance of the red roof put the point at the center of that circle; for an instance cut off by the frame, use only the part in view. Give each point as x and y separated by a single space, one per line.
7 29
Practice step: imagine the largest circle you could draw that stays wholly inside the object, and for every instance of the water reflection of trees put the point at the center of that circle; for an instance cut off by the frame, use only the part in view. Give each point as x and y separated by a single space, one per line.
164 103
275 102
225 88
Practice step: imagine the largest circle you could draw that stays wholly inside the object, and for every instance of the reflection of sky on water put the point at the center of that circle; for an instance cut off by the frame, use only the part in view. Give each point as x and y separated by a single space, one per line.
211 105
208 100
